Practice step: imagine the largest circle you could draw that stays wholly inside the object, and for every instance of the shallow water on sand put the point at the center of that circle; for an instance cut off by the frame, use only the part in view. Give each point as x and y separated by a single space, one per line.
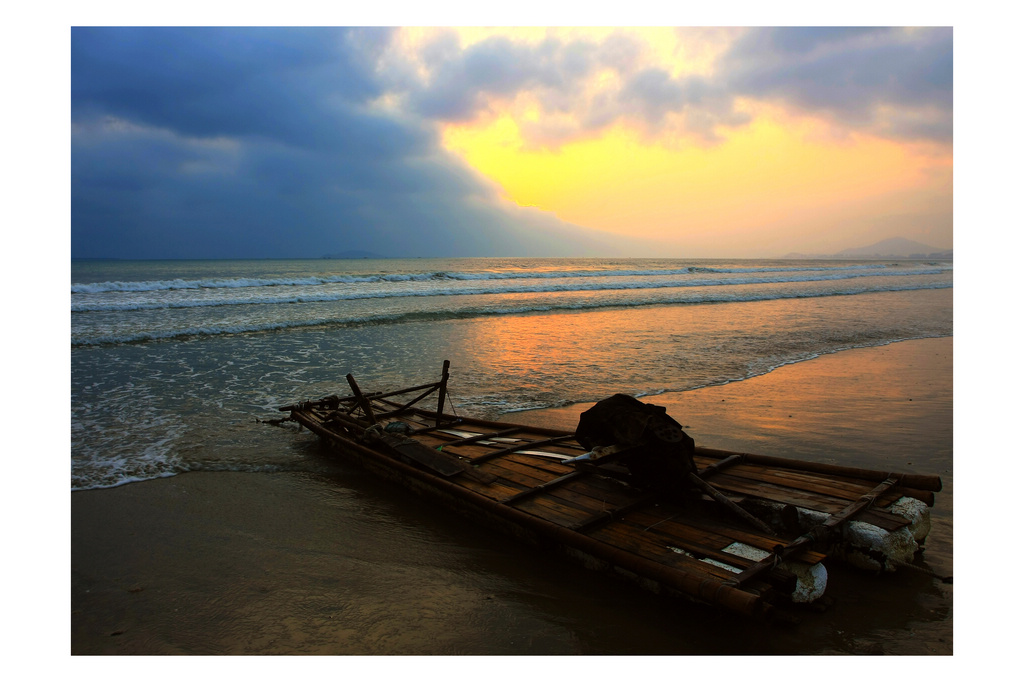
199 530
335 561
146 410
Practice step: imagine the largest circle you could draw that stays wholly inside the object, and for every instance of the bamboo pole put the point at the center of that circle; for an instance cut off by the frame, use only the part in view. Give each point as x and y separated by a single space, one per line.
363 402
918 481
442 391
730 505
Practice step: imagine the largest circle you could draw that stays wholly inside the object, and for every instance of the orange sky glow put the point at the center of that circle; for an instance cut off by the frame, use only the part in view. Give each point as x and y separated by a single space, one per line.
682 142
785 176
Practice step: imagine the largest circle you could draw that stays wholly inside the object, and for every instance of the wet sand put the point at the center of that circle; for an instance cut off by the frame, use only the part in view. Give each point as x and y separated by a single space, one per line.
339 563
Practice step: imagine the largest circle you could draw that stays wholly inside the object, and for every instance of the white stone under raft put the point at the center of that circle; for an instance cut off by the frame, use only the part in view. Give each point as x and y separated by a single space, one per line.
867 546
864 545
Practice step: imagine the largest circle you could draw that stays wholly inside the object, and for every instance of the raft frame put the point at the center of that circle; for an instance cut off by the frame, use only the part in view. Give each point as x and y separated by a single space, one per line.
514 478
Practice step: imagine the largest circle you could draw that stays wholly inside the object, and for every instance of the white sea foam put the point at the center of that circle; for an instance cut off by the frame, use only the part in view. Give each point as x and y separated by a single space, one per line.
169 370
324 292
316 280
506 308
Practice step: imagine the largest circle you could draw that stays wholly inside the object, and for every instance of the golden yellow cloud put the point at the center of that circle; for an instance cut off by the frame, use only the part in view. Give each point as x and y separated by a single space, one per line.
647 166
626 183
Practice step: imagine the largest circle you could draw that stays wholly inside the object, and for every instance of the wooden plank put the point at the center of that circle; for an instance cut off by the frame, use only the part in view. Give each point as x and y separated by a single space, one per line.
469 452
428 457
607 488
603 490
593 505
547 508
596 493
589 506
692 527
539 475
727 483
497 490
544 487
480 452
923 482
577 489
704 545
597 490
649 548
806 482
879 517
481 436
712 547
833 485
682 532
608 515
822 503
526 445
527 479
550 467
586 505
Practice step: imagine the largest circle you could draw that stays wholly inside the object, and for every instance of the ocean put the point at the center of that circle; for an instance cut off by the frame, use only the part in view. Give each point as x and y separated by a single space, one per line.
197 529
174 362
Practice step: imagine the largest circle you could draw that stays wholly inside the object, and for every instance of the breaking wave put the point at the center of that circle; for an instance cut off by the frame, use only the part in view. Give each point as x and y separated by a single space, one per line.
248 282
325 293
726 296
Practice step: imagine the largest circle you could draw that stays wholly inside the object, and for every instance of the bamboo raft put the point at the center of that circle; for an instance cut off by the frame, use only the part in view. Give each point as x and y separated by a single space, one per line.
753 540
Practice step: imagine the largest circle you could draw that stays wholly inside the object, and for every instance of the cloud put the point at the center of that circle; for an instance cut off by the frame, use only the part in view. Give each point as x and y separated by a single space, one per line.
892 82
254 142
209 143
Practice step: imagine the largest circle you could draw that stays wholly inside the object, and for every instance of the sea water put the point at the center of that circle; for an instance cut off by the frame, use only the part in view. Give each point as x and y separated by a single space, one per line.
173 363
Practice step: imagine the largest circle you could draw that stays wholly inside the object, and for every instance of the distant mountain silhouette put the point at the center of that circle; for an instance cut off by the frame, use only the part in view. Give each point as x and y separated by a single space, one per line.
353 254
897 247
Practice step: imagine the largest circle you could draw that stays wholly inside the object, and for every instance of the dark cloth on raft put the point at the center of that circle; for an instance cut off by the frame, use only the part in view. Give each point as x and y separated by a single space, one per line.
663 455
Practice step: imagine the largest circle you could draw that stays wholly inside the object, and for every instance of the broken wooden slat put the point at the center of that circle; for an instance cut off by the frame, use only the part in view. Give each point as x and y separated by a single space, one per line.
522 446
482 436
363 403
712 469
406 406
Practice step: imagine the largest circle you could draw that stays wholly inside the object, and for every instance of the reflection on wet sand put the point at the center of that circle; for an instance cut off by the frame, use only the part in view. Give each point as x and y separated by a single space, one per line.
339 562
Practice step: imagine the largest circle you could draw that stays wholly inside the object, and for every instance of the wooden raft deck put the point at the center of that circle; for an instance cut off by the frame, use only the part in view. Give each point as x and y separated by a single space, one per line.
515 476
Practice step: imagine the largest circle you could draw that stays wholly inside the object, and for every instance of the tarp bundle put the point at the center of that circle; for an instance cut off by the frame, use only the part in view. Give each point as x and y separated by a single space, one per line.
662 453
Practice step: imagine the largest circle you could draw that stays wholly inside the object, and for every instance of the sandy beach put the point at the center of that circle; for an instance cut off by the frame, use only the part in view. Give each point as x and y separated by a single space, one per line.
338 563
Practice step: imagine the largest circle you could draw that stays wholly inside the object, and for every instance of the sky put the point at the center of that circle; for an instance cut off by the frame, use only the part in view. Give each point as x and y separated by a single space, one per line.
668 141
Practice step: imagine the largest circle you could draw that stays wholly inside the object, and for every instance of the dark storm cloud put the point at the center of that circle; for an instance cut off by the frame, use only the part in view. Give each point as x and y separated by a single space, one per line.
205 142
261 143
276 83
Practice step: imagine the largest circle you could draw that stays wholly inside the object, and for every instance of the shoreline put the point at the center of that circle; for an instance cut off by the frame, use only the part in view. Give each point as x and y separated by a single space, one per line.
865 379
342 564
